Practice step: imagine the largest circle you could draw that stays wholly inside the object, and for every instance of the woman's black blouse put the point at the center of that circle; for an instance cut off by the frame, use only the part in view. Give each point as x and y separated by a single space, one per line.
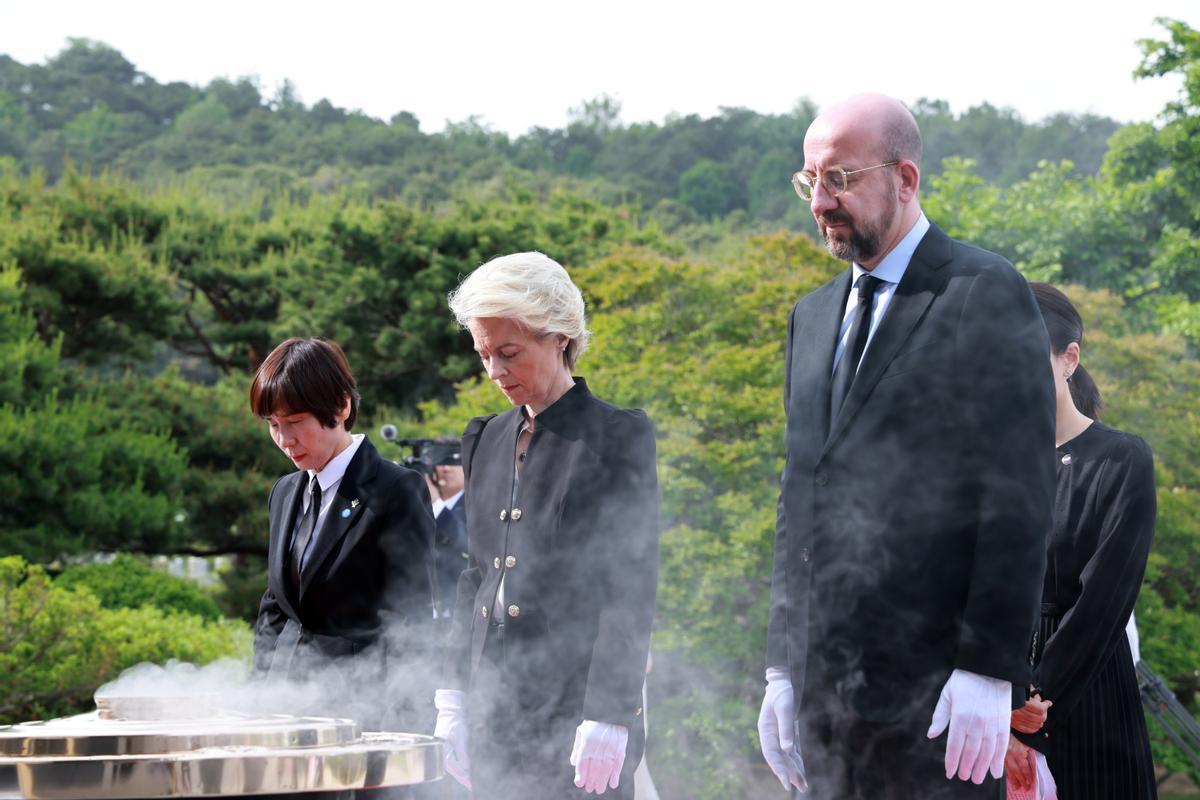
1095 737
1104 512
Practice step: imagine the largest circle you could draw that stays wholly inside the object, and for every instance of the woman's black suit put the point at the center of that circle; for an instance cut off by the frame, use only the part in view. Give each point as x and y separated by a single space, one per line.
578 552
360 624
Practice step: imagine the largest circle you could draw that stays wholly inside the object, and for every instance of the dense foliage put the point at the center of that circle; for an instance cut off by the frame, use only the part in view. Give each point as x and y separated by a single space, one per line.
58 644
91 106
128 582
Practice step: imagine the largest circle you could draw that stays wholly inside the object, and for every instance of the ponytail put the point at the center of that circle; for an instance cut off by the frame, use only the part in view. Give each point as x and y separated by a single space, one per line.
1085 394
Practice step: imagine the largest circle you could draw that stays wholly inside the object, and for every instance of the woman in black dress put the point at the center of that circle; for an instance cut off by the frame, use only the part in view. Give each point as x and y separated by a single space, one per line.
1094 735
552 625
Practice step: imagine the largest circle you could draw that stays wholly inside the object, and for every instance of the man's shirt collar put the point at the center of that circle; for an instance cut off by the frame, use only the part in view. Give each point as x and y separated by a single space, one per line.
894 264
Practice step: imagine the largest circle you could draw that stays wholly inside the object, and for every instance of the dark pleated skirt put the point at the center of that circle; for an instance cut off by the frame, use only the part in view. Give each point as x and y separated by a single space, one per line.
1101 750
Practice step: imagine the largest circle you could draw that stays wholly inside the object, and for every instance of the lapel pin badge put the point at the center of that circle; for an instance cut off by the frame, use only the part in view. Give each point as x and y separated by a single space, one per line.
345 513
354 503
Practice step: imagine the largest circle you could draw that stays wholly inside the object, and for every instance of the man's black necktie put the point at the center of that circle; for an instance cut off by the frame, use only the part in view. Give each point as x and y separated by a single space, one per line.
856 343
306 529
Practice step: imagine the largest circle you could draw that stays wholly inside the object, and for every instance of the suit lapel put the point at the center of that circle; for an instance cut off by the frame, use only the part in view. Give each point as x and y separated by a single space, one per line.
813 343
283 520
920 284
345 510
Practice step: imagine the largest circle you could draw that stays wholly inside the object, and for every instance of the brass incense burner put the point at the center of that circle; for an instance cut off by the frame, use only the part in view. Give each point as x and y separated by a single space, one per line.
185 746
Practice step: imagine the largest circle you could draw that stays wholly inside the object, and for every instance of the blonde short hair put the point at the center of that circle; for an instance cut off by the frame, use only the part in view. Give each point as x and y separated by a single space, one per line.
533 290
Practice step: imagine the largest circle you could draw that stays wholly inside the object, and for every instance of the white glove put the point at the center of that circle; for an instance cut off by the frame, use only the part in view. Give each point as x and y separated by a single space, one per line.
451 727
599 755
977 709
1046 786
777 731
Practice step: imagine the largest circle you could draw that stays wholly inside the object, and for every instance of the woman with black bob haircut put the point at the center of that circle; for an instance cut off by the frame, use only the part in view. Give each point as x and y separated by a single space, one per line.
543 693
350 588
1086 714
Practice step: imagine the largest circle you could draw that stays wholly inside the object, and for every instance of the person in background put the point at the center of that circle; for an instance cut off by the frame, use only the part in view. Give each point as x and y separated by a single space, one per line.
917 490
350 579
543 698
1085 715
450 516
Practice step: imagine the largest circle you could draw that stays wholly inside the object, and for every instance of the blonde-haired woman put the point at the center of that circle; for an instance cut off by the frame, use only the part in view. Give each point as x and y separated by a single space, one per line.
554 612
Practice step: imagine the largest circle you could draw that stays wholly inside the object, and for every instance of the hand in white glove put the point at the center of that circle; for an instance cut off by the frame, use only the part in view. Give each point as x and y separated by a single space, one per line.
599 755
977 709
451 727
1047 788
777 729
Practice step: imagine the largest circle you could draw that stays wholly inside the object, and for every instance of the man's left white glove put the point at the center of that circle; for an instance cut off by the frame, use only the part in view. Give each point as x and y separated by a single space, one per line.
599 755
977 710
777 731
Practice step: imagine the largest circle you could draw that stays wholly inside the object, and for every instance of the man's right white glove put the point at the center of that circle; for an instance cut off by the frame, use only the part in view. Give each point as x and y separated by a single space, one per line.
978 710
451 727
777 731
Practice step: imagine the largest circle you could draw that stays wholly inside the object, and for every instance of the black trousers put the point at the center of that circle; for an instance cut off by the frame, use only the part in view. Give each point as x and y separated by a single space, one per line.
848 758
520 740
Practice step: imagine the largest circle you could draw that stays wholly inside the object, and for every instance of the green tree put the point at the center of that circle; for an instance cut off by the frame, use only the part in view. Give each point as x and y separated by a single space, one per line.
127 582
771 195
94 136
1179 55
77 478
159 130
75 475
29 367
16 128
86 273
706 188
58 645
1106 233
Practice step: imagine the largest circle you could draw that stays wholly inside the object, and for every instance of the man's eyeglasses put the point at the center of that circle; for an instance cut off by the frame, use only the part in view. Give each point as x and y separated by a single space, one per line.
835 180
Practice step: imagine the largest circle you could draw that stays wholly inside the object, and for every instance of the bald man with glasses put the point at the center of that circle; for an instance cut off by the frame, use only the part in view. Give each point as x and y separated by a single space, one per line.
917 492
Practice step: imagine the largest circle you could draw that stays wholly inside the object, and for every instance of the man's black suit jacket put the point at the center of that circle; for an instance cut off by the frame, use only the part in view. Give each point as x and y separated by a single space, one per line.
911 528
369 572
450 550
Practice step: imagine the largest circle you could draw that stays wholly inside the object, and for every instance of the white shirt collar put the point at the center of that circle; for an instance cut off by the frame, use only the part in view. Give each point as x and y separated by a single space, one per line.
336 468
894 264
450 502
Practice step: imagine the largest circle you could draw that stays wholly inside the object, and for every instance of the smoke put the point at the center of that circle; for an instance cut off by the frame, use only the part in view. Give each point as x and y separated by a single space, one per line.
176 678
176 690
398 700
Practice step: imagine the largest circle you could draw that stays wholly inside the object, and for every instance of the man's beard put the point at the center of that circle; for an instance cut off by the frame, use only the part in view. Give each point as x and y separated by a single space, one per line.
864 242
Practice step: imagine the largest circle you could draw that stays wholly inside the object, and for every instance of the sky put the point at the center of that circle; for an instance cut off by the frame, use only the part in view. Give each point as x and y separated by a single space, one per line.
526 63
